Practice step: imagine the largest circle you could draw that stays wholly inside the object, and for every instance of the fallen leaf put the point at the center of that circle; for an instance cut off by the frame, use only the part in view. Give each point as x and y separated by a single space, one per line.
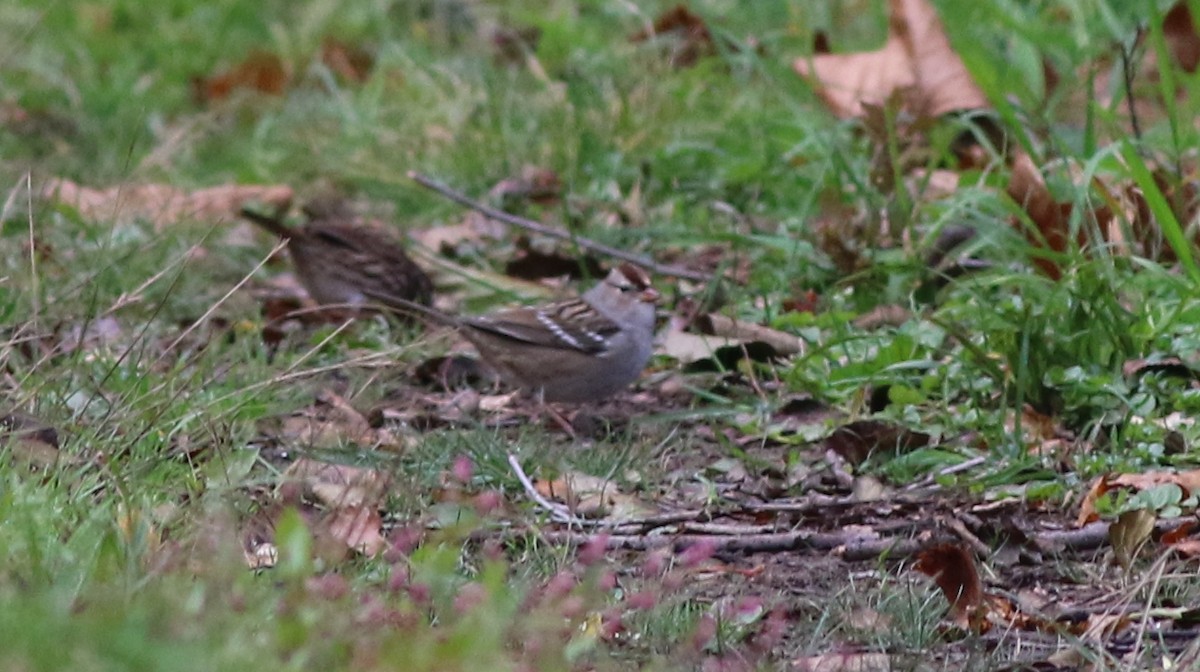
330 422
784 344
1102 627
1129 533
686 34
1187 481
1170 366
261 71
512 44
350 63
869 489
1179 32
337 486
1087 507
162 204
856 441
883 315
29 441
1028 188
592 497
856 661
953 570
540 185
475 231
359 528
533 264
916 57
870 620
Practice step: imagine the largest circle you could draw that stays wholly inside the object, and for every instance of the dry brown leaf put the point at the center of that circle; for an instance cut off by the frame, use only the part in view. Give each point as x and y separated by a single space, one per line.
1179 32
1188 481
540 185
1122 216
869 620
1041 433
1028 188
163 204
686 347
856 661
1129 533
953 570
535 264
916 57
337 486
884 315
261 71
349 62
330 422
715 324
1102 627
475 230
1188 548
512 44
856 441
869 489
359 528
742 340
592 497
1087 507
1173 366
691 39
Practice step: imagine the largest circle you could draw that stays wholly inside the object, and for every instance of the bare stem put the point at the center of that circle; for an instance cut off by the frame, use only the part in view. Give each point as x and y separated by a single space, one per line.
555 232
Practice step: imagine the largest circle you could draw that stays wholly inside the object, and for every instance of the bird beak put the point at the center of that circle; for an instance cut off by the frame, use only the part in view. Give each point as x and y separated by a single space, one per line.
650 295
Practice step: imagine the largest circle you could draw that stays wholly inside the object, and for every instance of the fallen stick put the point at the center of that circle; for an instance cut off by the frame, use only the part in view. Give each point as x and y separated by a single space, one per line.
554 232
847 546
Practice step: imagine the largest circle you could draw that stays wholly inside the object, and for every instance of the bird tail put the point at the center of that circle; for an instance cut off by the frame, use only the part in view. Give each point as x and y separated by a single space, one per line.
272 224
410 308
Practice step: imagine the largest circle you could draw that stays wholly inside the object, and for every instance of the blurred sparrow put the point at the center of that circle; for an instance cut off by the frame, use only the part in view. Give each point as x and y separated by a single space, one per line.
342 263
577 350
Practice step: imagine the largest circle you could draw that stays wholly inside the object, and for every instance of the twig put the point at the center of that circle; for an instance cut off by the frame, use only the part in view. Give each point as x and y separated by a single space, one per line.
968 536
554 232
931 479
1127 70
558 512
850 547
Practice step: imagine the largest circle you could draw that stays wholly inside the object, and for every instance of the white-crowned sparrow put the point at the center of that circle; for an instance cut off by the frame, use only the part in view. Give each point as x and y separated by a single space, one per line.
578 350
342 262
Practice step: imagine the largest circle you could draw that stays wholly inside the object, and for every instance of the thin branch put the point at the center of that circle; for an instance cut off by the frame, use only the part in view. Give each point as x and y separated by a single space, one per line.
558 512
554 232
848 546
1127 69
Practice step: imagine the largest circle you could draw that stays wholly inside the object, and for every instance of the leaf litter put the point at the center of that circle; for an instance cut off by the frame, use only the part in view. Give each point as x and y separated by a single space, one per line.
789 501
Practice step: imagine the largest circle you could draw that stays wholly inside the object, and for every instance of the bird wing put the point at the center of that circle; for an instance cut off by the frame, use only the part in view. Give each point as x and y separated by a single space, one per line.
570 325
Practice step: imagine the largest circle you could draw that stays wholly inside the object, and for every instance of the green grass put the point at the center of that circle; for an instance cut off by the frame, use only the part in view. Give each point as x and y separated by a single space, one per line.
127 553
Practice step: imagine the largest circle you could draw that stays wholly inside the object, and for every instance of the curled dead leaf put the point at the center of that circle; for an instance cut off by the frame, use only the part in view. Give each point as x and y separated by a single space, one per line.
783 343
1129 534
686 33
162 204
856 441
261 71
592 497
953 570
337 486
917 57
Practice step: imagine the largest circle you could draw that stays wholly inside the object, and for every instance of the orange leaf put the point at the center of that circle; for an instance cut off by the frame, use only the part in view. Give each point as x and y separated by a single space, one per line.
917 56
1087 508
1179 31
953 570
261 71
